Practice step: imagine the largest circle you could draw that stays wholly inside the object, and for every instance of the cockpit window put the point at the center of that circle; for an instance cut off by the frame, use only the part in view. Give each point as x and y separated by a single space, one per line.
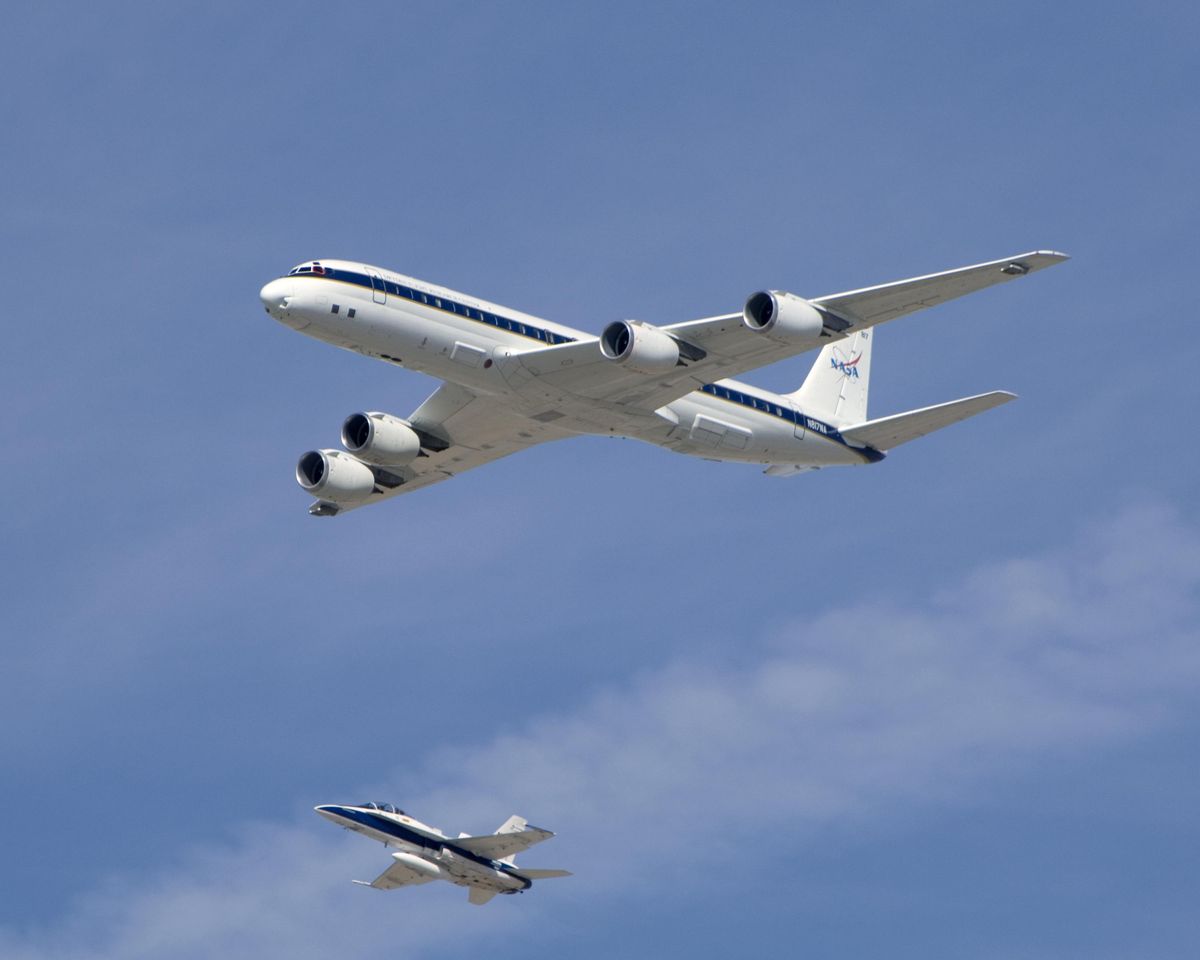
385 807
312 267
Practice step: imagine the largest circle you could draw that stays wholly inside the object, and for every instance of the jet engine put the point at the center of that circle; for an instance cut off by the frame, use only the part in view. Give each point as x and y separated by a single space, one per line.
640 347
333 475
380 438
782 316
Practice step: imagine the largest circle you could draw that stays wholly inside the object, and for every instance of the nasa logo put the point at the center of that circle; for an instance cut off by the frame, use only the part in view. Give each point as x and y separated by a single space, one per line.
847 368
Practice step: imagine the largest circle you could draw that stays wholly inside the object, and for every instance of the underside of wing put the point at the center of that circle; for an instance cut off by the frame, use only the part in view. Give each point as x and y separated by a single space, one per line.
459 431
724 346
499 846
872 305
397 875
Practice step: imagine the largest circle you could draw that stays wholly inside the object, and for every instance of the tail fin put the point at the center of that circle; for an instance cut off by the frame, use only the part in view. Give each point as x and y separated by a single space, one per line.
836 386
513 824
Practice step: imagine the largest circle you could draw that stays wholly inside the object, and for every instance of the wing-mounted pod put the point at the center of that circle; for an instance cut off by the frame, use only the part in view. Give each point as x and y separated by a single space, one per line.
640 347
334 475
782 316
380 438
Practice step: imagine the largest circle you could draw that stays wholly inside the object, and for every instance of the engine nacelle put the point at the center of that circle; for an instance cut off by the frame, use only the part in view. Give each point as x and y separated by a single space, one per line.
333 475
782 316
640 347
380 438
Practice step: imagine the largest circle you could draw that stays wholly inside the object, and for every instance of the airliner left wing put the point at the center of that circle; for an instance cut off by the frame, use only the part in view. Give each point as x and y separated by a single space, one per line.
460 431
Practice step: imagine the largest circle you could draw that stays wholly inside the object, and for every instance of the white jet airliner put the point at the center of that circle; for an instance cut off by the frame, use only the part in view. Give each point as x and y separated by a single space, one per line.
513 380
487 864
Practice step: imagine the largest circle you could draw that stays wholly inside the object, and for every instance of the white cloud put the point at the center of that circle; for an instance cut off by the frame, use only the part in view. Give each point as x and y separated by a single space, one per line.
847 714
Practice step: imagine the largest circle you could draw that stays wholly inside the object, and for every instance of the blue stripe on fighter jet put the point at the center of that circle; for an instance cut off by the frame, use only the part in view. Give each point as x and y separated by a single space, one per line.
518 327
408 835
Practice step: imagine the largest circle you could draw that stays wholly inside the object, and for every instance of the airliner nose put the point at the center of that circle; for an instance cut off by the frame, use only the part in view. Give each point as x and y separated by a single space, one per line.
274 296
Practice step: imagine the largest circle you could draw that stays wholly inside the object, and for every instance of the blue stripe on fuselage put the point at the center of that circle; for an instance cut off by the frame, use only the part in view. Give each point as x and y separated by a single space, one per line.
794 417
435 302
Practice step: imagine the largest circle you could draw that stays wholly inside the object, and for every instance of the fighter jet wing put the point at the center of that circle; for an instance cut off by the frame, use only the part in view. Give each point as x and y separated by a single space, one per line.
718 347
498 846
397 875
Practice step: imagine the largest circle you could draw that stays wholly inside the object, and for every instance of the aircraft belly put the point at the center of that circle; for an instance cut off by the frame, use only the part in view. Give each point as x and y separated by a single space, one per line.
468 873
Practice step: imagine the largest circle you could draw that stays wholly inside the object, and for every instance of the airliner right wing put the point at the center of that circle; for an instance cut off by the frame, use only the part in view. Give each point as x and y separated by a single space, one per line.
872 305
718 347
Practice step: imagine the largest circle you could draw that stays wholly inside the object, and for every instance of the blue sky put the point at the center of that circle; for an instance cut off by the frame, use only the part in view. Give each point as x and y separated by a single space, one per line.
940 707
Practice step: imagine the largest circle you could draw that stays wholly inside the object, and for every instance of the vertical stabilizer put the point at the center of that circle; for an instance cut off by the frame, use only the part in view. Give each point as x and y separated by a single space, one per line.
836 386
513 824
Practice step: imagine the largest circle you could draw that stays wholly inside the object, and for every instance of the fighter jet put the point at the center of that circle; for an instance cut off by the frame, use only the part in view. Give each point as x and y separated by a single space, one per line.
485 865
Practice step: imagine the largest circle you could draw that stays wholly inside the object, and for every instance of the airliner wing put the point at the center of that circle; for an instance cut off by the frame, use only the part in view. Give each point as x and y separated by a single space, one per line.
718 347
460 431
872 305
497 846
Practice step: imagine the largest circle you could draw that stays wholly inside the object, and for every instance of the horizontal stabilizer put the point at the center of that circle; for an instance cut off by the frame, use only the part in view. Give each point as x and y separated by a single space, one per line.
888 432
498 846
542 874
